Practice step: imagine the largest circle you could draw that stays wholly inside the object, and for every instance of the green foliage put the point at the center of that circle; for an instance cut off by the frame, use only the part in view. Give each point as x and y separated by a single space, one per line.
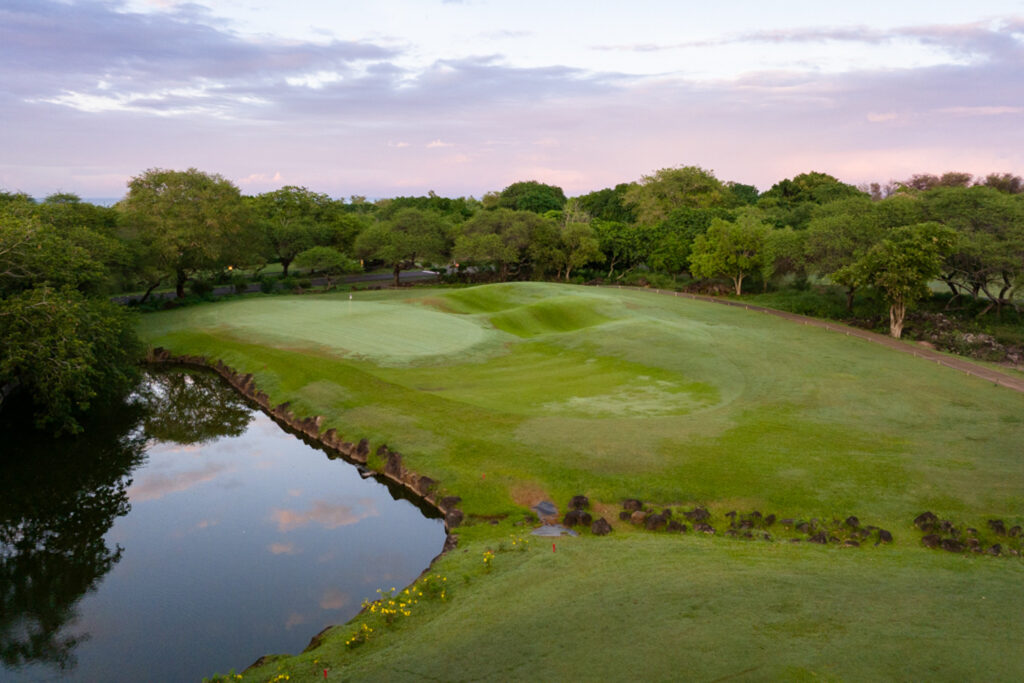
608 204
409 237
500 238
328 261
293 219
531 195
183 222
792 201
66 351
733 250
657 195
901 265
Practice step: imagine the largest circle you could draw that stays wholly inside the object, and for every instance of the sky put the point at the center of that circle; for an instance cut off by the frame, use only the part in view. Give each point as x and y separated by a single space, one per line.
403 97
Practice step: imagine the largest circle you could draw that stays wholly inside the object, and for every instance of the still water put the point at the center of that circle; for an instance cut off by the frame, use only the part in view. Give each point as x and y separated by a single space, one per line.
188 534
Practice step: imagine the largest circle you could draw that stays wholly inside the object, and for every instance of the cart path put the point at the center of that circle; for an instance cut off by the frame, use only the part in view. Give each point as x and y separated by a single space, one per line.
998 377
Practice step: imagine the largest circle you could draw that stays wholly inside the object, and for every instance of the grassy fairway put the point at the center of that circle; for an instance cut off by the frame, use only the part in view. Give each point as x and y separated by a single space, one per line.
508 394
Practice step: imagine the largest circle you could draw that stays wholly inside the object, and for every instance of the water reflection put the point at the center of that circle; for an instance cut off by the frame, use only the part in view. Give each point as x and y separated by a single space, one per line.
184 535
192 408
61 496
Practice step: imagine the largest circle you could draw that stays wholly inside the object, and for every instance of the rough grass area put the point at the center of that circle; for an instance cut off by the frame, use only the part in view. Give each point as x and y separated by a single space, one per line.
508 394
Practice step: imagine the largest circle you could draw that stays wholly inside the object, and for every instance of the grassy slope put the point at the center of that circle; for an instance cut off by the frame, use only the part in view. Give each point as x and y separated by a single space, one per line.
552 391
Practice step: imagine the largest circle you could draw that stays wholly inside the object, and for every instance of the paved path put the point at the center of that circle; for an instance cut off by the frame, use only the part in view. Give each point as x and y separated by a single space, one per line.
1003 379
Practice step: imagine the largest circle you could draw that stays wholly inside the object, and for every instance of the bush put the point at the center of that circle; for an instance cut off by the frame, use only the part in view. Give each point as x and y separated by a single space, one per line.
201 288
305 283
267 284
240 282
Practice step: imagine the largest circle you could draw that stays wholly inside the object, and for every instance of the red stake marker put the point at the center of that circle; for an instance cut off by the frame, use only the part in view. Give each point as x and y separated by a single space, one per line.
552 547
325 674
483 475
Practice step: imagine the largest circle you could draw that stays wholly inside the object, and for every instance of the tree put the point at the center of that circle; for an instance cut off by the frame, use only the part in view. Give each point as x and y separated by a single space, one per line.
901 265
793 201
579 247
608 204
989 258
1004 182
657 195
531 195
622 245
326 260
185 222
837 236
64 349
499 238
412 235
733 250
292 219
66 352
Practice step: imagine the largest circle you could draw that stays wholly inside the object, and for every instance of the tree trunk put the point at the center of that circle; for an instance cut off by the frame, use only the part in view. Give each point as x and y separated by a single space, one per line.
285 262
398 270
568 269
150 291
738 280
179 284
849 298
897 312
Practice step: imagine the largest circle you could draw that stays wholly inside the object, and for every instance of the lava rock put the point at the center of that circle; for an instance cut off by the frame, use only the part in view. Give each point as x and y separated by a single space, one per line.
697 514
655 522
601 527
579 503
931 541
925 521
632 504
638 517
952 545
852 522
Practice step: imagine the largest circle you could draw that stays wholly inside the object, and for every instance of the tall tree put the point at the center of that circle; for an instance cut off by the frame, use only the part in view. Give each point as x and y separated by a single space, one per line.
793 201
410 237
531 195
186 222
499 238
657 195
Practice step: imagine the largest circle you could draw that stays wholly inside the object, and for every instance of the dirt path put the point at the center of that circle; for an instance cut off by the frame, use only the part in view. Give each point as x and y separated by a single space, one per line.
995 376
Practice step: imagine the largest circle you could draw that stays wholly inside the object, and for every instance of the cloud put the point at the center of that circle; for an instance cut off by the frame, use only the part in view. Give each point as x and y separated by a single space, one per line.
434 144
282 549
334 599
156 486
327 515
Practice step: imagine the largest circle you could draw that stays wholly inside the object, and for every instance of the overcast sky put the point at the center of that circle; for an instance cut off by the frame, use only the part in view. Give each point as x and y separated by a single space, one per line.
398 97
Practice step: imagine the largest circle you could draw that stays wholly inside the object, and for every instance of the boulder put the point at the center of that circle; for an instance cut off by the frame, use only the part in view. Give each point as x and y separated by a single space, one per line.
638 517
952 545
705 528
995 550
697 514
632 504
449 502
884 536
393 467
997 526
852 522
655 522
625 515
579 503
453 518
925 521
601 527
931 541
820 537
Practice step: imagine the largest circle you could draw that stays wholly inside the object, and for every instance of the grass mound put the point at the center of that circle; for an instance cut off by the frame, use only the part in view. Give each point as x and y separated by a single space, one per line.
558 314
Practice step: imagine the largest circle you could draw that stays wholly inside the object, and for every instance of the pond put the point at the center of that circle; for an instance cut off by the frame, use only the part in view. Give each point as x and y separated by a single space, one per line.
187 534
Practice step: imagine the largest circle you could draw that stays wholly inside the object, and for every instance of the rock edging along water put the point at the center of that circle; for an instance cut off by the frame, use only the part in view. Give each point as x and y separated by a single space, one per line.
422 488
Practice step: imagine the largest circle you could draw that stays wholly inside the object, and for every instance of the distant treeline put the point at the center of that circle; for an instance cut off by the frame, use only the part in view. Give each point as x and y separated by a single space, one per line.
60 259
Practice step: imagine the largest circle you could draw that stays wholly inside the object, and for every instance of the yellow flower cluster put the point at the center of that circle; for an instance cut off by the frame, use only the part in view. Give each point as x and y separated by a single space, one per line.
277 678
360 637
488 556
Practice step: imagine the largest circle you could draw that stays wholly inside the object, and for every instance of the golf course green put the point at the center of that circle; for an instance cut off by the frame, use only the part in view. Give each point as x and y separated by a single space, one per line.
511 394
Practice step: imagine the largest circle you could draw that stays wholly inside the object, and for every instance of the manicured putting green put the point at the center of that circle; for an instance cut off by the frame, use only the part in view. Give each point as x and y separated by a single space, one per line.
380 331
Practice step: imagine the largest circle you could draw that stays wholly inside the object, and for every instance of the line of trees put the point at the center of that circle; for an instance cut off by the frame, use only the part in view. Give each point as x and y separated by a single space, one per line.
61 258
